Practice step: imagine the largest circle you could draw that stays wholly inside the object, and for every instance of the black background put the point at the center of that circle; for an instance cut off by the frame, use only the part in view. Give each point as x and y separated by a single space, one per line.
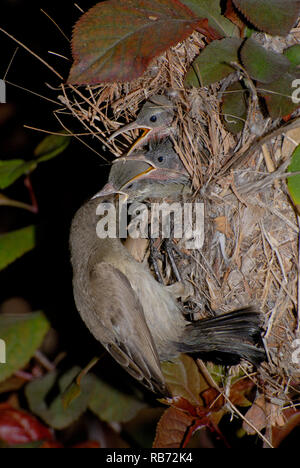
43 277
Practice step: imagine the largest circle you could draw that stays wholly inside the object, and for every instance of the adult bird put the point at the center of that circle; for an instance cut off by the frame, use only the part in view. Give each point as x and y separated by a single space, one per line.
154 119
137 319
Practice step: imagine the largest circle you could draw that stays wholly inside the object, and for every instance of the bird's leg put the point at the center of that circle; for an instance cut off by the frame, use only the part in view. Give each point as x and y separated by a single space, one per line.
155 255
170 247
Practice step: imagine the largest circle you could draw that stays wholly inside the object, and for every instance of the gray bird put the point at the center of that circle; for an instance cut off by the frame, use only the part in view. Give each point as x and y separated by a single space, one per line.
156 173
137 319
155 119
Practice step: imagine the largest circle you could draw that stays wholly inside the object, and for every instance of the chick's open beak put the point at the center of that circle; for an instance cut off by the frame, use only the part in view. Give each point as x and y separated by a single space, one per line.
140 171
166 172
132 126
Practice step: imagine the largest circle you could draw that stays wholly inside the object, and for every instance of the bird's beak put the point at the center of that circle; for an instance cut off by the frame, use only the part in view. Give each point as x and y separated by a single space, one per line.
171 175
142 156
109 189
132 126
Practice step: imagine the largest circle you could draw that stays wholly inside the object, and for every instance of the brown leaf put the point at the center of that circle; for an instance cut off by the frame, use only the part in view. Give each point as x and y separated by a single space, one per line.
280 433
256 415
222 225
239 391
172 428
233 16
117 39
184 379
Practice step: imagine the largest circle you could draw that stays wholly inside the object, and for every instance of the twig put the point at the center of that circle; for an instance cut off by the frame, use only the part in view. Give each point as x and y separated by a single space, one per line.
213 384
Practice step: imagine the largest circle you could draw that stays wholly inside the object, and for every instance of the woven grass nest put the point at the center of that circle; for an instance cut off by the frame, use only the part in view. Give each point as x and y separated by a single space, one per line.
250 254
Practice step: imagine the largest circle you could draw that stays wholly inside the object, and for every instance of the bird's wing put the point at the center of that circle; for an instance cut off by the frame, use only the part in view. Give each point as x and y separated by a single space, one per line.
117 320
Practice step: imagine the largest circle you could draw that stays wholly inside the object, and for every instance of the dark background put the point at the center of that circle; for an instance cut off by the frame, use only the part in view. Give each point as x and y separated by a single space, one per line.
43 277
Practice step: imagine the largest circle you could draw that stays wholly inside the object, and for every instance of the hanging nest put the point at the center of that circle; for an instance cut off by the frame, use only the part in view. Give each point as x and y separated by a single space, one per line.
250 254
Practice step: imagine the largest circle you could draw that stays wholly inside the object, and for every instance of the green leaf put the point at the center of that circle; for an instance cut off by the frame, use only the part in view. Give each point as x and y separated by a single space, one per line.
293 54
12 169
261 64
51 146
23 335
213 63
56 415
109 404
106 402
211 10
279 95
294 181
234 108
275 17
15 244
116 40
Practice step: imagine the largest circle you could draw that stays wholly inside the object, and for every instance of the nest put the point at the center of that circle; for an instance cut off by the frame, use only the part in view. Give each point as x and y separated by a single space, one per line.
250 254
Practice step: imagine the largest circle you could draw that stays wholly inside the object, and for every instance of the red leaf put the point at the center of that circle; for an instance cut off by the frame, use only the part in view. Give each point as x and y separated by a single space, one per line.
232 15
292 417
52 444
272 16
172 428
18 427
87 444
180 403
117 39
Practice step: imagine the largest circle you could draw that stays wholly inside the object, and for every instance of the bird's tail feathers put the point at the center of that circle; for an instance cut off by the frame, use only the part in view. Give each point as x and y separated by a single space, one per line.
227 338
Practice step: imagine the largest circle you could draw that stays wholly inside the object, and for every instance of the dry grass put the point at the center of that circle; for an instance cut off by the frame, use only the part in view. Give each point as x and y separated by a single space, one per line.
250 254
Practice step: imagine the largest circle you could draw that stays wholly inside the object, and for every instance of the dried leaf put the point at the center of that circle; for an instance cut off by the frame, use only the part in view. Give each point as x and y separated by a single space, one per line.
239 392
256 415
184 380
275 17
117 39
172 428
222 225
292 417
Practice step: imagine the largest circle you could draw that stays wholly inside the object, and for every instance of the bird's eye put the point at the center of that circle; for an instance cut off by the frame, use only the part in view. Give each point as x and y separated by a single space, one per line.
160 159
153 118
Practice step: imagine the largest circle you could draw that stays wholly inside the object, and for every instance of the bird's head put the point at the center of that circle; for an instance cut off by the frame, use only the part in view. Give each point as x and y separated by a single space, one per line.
154 119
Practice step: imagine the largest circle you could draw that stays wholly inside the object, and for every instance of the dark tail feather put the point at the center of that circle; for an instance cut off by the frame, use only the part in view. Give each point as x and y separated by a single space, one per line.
226 339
